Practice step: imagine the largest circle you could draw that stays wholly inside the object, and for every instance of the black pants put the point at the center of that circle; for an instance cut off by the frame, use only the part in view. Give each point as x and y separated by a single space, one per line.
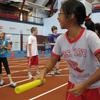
5 64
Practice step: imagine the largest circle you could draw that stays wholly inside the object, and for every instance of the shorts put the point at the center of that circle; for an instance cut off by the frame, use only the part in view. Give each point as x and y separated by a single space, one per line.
59 59
89 94
33 61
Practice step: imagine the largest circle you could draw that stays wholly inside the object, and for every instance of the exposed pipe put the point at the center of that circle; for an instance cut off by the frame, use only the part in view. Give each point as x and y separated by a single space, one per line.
52 10
21 8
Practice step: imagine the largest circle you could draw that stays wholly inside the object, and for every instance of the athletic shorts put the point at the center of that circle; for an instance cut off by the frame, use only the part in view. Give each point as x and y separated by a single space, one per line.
33 61
59 59
88 94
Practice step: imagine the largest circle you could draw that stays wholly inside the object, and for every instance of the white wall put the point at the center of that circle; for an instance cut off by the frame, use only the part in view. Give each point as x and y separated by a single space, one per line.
95 17
17 27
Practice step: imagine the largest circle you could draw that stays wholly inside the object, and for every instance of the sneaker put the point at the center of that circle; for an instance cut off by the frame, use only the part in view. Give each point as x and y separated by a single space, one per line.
57 72
12 84
1 82
30 76
52 73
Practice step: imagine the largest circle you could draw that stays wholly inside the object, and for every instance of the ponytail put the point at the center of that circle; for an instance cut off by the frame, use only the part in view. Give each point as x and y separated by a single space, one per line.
89 23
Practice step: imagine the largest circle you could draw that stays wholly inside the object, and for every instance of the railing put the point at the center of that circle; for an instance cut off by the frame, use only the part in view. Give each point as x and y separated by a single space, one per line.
30 19
34 19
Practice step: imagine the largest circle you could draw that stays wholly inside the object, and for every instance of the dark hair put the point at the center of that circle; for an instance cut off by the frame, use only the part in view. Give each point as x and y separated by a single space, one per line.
33 29
74 7
97 27
89 24
53 28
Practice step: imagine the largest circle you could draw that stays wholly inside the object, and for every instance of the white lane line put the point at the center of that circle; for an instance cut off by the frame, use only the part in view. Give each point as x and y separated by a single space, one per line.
19 77
38 96
18 65
57 75
21 70
15 72
24 60
32 69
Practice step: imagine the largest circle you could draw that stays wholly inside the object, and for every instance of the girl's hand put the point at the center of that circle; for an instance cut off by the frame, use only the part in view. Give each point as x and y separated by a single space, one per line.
78 89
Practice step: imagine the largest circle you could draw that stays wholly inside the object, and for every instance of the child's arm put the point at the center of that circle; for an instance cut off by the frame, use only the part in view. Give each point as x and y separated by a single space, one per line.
8 47
48 67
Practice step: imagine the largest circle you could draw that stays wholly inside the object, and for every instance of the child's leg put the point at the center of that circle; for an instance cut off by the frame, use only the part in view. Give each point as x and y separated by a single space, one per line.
29 69
5 63
33 61
30 73
56 69
1 77
1 80
37 69
57 65
35 64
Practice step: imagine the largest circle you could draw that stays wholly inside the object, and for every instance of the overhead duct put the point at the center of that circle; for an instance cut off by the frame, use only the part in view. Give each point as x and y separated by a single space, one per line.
35 5
42 2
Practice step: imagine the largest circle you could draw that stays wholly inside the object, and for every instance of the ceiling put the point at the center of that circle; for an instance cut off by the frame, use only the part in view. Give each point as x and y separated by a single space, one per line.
46 5
42 4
